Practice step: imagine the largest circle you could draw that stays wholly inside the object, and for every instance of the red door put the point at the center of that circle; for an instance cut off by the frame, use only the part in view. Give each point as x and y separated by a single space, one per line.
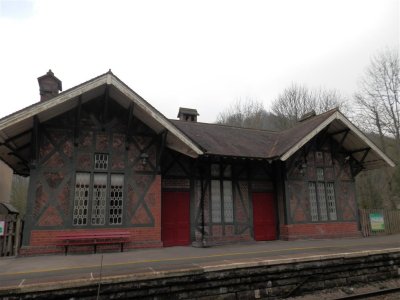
264 217
175 219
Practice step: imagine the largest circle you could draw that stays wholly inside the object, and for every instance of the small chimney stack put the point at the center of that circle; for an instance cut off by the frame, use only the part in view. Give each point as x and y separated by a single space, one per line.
187 114
49 86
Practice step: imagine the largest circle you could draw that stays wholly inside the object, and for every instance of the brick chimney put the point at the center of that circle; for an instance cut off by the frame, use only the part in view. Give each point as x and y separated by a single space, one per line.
49 86
187 114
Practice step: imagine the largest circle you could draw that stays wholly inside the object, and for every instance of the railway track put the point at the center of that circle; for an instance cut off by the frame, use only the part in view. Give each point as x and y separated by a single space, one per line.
372 295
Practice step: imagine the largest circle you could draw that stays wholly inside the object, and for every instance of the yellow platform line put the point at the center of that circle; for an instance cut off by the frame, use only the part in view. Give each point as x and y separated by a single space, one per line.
183 258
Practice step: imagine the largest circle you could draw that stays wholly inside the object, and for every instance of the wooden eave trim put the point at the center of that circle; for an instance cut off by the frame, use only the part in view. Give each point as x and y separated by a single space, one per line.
308 137
41 107
366 140
354 129
109 79
140 102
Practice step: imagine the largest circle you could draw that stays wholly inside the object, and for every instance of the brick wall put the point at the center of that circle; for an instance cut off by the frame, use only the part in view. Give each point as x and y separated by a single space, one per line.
319 230
44 241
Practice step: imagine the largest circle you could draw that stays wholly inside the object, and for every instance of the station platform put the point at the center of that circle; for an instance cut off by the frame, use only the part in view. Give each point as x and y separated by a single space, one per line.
57 271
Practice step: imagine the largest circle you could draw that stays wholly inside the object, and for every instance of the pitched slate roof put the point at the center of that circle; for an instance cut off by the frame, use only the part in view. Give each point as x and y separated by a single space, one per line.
215 139
190 138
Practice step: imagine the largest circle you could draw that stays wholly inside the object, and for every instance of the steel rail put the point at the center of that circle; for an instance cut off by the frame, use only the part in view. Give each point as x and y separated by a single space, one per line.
370 294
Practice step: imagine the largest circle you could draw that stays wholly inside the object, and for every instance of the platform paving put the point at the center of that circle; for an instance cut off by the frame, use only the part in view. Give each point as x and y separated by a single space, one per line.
58 270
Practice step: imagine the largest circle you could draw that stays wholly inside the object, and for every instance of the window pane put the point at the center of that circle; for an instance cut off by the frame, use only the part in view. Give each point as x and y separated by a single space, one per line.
228 201
320 174
330 194
215 201
81 199
99 199
328 158
116 198
101 161
313 201
228 171
215 170
322 201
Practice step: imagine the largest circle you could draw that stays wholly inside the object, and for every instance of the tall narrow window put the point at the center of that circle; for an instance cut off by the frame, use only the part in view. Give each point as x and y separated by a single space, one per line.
321 193
116 197
313 201
322 201
330 194
99 199
221 194
228 201
81 199
215 201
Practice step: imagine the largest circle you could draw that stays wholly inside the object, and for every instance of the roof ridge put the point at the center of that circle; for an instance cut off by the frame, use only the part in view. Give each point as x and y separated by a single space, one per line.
225 125
298 123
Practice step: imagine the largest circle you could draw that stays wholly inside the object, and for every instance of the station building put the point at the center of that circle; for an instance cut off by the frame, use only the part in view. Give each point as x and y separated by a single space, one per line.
101 158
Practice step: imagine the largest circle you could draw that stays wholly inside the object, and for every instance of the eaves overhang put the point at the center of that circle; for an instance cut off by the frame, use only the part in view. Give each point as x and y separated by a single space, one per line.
355 142
15 129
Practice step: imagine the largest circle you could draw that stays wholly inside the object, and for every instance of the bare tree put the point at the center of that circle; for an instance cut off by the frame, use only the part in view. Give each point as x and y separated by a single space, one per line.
247 113
297 100
378 108
378 97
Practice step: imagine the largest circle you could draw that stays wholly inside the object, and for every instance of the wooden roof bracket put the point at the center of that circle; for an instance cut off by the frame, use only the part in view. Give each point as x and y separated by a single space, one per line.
78 110
346 132
129 126
105 105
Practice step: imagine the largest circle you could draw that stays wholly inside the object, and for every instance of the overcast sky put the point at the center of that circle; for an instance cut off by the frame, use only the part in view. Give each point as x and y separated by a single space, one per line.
197 54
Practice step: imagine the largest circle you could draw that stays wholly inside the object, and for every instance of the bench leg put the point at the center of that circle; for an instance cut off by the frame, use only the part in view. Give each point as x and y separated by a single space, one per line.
66 249
95 248
122 247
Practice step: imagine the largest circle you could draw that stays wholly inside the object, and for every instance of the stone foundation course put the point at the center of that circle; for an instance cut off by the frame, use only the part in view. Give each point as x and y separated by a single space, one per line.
268 279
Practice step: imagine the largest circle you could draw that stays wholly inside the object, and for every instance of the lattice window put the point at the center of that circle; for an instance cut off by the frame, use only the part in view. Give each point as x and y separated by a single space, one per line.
99 199
313 201
321 192
320 174
322 201
81 199
330 195
116 199
101 161
215 201
228 201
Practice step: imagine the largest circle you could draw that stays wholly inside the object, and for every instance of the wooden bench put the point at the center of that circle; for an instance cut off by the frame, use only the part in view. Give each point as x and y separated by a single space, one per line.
93 238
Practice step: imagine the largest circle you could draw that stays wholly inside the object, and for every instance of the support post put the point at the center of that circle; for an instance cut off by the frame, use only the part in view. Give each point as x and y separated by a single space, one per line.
161 150
35 141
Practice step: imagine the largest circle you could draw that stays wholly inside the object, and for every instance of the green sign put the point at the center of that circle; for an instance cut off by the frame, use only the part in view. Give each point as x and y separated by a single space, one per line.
377 222
2 226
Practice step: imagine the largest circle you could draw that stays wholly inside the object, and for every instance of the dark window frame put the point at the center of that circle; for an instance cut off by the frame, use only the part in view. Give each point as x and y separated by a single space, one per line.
331 216
221 177
109 174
